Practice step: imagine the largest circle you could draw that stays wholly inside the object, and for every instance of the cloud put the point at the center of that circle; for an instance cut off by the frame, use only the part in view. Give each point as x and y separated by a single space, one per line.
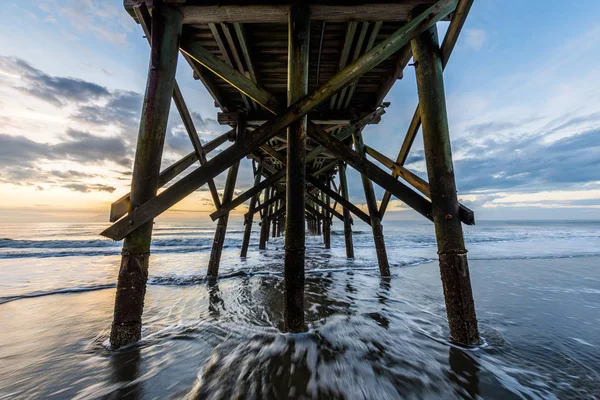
528 162
22 160
475 38
83 188
55 90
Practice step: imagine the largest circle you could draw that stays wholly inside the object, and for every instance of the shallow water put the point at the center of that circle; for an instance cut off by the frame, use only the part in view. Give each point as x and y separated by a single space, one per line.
536 287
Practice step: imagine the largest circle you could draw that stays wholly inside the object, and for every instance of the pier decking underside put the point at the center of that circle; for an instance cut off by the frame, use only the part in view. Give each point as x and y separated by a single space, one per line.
297 85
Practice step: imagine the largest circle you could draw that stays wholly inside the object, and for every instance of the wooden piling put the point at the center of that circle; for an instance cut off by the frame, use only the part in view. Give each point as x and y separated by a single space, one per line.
249 217
328 217
347 217
217 249
376 227
133 273
454 268
264 224
298 42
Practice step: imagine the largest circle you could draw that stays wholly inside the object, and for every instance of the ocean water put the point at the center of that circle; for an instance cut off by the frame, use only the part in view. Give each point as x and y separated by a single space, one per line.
536 288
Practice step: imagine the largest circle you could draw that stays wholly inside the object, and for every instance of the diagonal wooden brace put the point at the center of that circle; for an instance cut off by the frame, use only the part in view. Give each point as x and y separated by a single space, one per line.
372 171
247 195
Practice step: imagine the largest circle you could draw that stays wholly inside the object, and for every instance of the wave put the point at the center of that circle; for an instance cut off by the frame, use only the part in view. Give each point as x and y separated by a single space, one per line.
8 299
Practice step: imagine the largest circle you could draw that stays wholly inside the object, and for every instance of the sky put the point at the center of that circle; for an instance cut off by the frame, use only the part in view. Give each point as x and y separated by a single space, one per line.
522 90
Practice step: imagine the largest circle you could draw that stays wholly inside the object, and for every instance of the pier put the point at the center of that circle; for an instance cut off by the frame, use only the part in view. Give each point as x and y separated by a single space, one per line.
297 84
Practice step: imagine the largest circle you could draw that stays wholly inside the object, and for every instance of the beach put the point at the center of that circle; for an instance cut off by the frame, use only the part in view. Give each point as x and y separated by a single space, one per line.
536 287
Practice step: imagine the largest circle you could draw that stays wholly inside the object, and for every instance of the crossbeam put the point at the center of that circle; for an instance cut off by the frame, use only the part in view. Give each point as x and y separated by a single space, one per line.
273 13
416 181
342 201
122 206
225 208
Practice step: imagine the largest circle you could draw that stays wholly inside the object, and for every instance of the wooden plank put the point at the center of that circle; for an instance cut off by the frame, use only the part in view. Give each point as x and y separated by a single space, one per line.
224 71
351 30
228 157
370 44
357 49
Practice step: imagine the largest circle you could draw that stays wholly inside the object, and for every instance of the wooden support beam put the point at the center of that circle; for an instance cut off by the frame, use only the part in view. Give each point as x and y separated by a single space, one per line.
298 54
271 12
326 208
133 273
248 218
372 171
293 113
347 218
223 49
454 268
217 249
264 224
458 20
123 205
384 266
416 181
254 210
230 205
329 212
340 199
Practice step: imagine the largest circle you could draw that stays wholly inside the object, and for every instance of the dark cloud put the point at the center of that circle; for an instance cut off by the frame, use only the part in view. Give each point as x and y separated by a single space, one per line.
525 161
55 90
203 124
19 159
122 109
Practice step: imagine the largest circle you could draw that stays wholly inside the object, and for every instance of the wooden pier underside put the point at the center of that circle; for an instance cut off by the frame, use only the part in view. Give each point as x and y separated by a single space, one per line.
240 51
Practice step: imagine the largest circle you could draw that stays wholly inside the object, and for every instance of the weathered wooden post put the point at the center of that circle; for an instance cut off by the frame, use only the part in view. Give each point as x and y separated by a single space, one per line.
280 219
248 219
298 41
328 217
221 230
347 217
384 267
454 268
133 273
264 224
